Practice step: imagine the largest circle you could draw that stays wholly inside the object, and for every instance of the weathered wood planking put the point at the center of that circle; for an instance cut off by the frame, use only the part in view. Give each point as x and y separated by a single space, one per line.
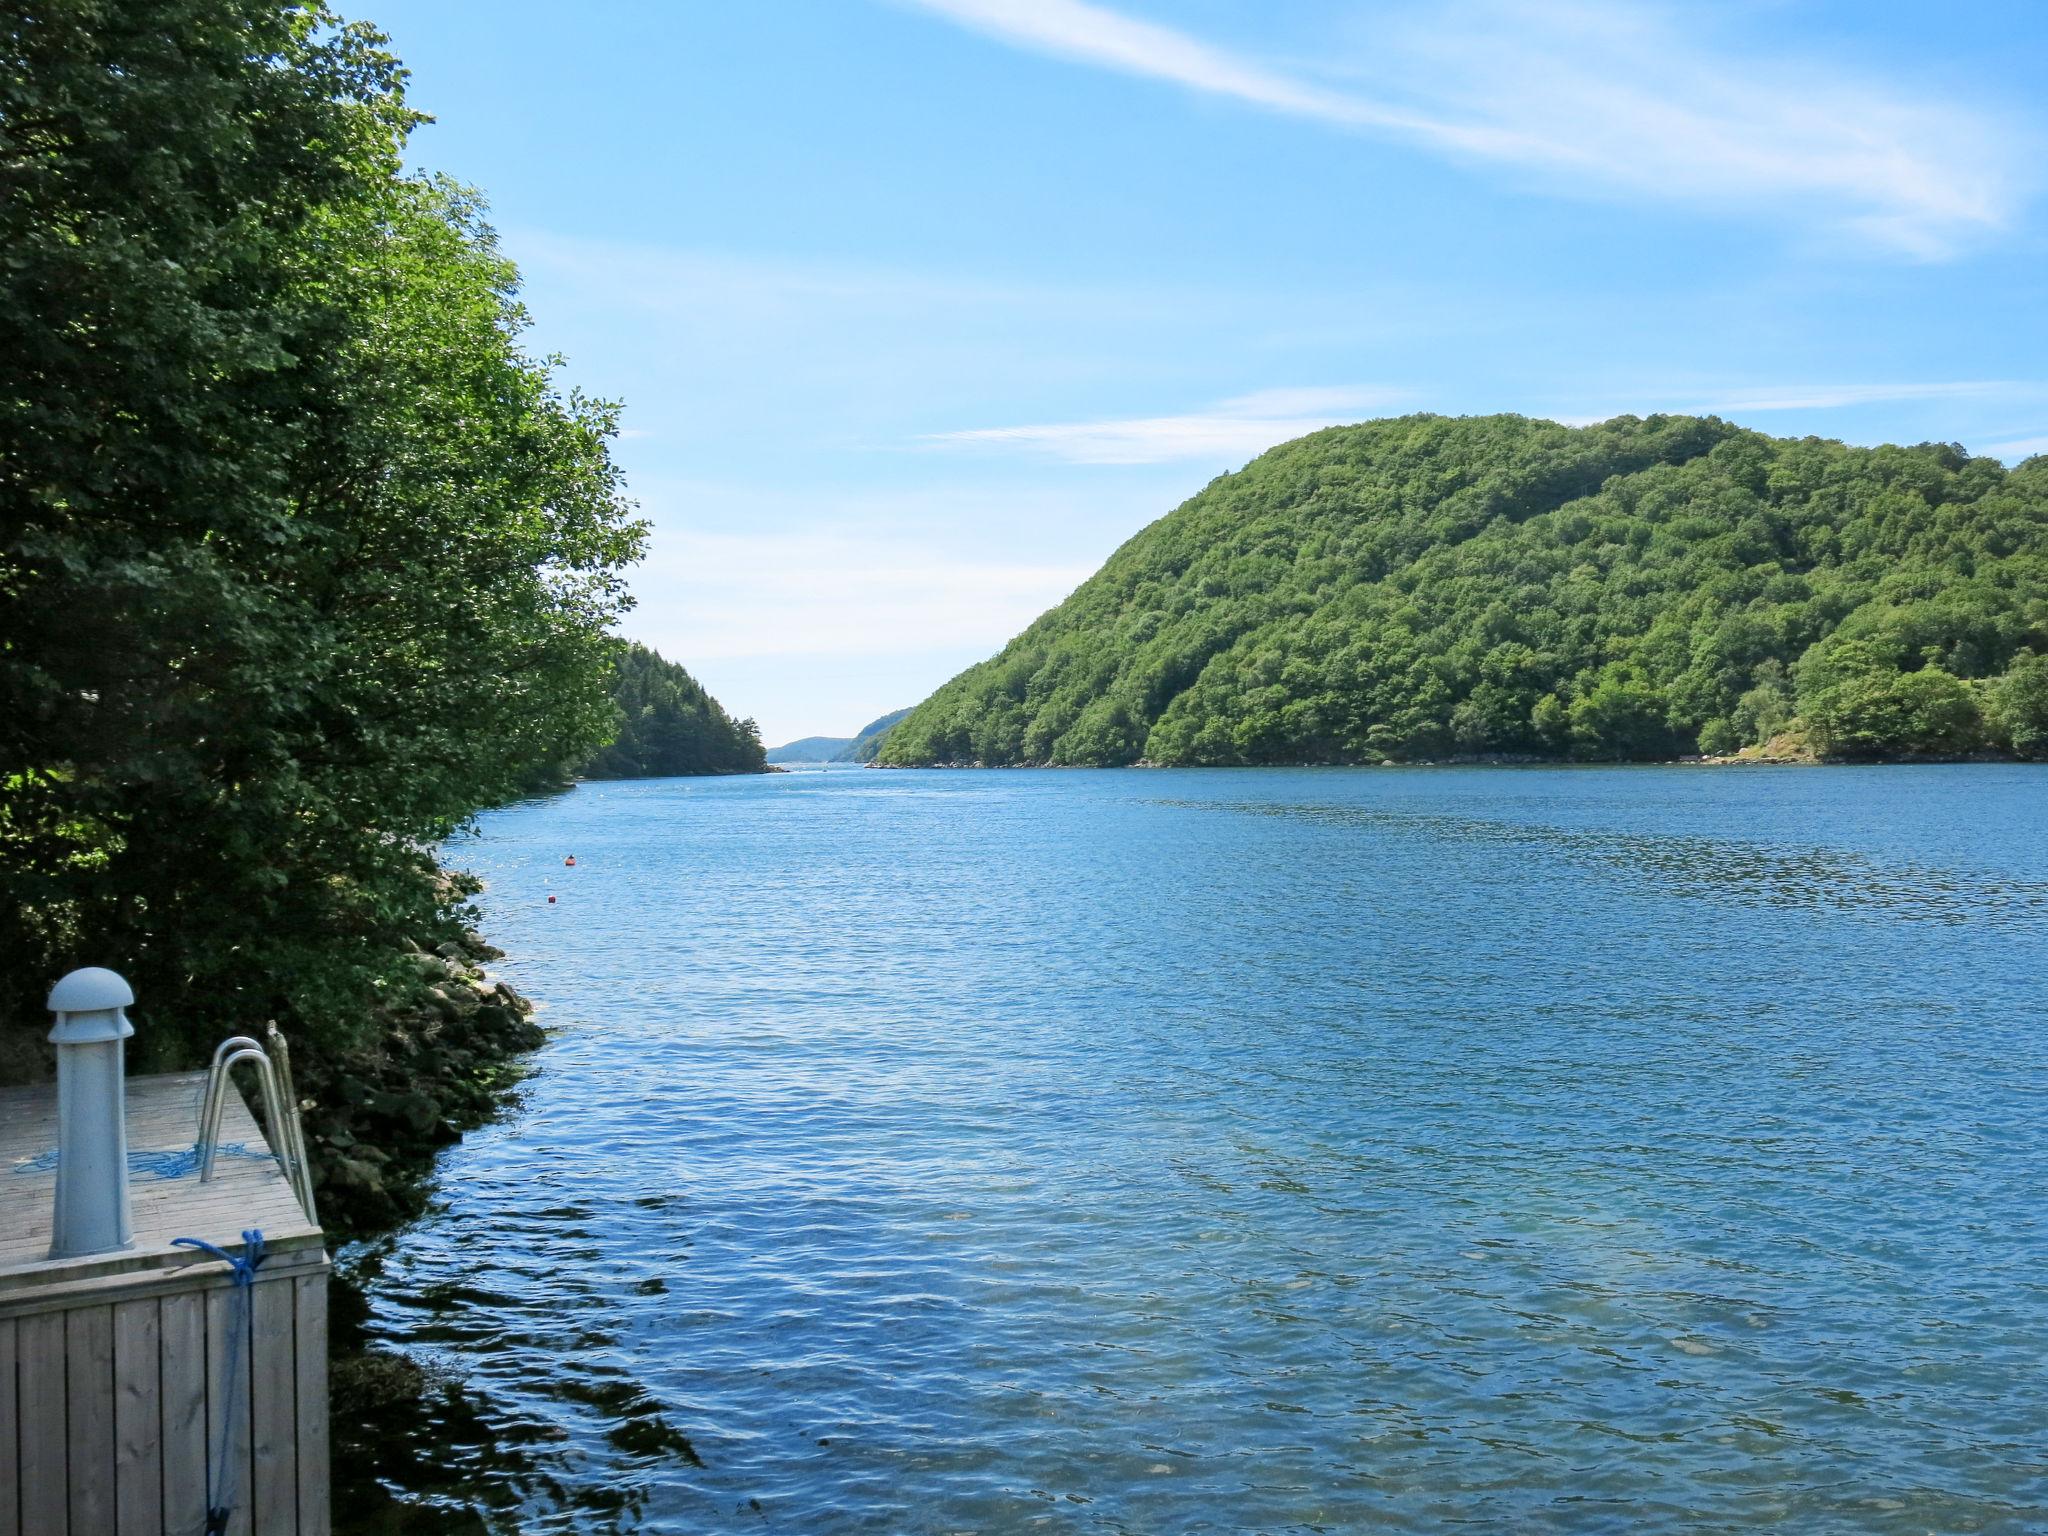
231 1482
114 1367
182 1322
138 1418
163 1124
89 1416
39 1372
10 1479
273 1410
310 1385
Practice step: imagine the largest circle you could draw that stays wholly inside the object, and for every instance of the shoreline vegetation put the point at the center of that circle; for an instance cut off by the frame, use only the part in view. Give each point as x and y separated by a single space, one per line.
305 559
1776 754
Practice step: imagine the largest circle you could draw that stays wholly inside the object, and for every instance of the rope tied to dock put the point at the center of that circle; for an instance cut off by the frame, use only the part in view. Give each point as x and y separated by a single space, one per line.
220 1485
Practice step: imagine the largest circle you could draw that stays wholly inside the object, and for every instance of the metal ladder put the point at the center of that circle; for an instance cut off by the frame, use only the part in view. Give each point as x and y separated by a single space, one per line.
280 1108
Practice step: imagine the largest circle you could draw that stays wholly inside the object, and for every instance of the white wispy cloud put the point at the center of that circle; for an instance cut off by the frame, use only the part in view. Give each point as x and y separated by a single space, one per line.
2016 449
1754 399
1828 397
1607 97
711 596
1235 429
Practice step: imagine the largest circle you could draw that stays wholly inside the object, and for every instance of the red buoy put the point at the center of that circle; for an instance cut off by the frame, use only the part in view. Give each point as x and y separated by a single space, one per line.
551 901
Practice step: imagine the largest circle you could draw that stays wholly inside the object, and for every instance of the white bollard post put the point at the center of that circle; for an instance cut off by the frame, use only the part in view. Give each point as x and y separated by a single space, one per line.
92 1120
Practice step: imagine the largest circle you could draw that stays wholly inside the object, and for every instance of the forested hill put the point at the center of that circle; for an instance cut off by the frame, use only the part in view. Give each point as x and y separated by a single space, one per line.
669 726
1430 586
839 749
865 747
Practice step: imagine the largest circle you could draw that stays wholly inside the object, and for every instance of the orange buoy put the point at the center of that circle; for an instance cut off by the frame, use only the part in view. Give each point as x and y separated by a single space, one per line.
570 861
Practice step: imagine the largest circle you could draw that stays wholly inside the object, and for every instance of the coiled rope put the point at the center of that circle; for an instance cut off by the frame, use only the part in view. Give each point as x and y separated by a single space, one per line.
220 1480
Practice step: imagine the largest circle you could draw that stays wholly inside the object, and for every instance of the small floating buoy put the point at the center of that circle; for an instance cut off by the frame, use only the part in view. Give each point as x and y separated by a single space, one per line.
570 861
551 901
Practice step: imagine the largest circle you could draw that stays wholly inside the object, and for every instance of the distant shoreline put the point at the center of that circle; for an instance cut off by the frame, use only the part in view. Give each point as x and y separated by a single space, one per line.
1734 760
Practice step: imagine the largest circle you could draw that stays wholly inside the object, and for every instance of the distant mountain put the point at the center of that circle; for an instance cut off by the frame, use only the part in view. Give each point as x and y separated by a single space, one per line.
810 749
669 726
1496 586
862 748
839 749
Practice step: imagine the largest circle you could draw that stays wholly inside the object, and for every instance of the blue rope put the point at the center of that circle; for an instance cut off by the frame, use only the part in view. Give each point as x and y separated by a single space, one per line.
220 1486
156 1165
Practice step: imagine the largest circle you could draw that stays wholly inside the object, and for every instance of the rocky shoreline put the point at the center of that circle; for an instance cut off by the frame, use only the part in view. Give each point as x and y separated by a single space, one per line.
437 1062
440 1061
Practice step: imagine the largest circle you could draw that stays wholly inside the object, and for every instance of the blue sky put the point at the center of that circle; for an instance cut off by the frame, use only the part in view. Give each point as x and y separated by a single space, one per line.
919 308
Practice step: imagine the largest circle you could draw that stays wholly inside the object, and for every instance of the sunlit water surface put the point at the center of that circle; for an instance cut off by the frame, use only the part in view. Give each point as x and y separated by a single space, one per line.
1598 1150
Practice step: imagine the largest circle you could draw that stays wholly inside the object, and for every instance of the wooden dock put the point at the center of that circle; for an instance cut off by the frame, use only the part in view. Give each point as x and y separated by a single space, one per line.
113 1367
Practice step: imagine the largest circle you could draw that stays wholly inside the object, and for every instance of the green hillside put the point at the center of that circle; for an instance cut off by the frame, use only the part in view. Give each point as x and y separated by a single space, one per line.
669 726
1430 586
865 747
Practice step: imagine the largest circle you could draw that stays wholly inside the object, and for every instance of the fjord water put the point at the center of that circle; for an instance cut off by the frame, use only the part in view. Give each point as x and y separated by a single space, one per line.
1300 1150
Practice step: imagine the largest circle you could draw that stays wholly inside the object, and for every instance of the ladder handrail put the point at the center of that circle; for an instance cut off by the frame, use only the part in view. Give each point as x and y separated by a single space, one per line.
290 1148
215 1080
294 1127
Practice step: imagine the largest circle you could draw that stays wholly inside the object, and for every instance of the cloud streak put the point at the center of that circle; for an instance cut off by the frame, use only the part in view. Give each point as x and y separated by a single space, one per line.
1606 98
817 592
1759 399
1234 430
2017 449
1830 397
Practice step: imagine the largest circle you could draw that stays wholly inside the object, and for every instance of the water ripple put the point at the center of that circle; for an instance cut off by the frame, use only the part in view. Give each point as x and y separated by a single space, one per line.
1626 1150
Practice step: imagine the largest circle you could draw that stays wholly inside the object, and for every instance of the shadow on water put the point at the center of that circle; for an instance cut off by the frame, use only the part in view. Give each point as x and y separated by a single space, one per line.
1725 869
420 1448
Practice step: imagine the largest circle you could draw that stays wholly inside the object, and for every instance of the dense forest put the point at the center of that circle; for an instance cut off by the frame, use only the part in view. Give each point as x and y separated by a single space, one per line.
668 725
1496 586
303 557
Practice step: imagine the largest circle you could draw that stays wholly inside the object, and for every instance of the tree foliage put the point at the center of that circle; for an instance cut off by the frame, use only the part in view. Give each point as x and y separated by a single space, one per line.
1428 586
302 557
668 725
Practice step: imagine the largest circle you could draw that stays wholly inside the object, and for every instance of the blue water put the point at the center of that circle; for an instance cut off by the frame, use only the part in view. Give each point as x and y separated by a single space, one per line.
1648 1149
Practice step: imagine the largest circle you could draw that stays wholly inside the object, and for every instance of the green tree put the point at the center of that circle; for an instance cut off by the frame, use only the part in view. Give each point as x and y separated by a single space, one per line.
1856 702
1620 717
1766 708
302 557
667 725
2019 705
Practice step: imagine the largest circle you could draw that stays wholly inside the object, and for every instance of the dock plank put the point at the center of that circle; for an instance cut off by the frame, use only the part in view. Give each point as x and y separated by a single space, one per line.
273 1409
10 1479
45 1502
89 1417
166 1198
138 1419
224 1398
310 1346
182 1330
